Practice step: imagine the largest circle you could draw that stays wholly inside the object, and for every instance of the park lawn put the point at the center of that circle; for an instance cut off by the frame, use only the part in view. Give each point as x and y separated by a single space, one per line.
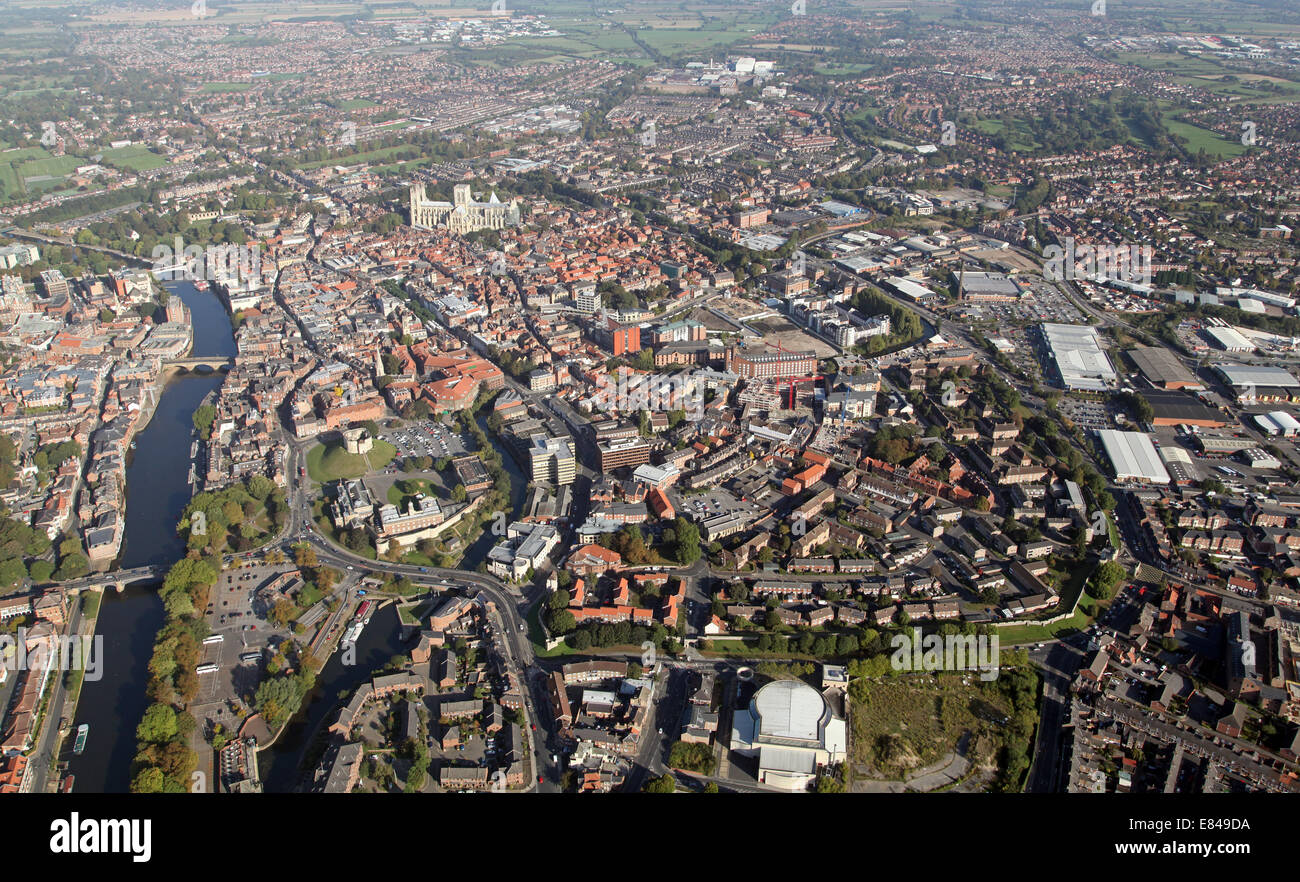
1019 141
137 158
418 485
332 463
356 158
1086 610
1198 139
54 166
414 558
1014 635
842 69
10 183
90 601
537 636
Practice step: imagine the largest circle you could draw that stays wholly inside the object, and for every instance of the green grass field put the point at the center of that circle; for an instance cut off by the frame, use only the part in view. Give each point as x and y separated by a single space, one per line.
1198 139
1019 140
137 158
407 488
365 156
332 463
48 171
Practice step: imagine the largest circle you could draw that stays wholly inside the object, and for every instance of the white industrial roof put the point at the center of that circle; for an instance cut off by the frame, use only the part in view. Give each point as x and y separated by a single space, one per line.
1246 375
1230 339
911 289
789 709
779 759
1133 456
1285 420
1078 353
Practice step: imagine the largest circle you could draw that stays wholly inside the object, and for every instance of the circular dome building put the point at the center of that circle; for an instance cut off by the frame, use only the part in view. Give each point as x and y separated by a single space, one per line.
793 730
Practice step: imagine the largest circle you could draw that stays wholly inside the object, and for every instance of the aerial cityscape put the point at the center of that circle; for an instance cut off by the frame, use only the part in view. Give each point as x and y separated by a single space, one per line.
728 396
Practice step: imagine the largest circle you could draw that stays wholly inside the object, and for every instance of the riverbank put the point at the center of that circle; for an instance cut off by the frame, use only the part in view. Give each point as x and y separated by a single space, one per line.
90 602
157 491
281 766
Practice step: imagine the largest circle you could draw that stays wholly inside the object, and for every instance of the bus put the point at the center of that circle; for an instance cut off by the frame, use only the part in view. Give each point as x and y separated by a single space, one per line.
209 668
213 638
250 657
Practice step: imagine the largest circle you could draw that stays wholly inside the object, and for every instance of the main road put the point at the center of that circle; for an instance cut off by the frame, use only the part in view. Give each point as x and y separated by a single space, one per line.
300 528
42 756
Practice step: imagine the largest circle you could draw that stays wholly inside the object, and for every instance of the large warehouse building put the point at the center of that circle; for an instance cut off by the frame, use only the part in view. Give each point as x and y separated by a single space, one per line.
1182 409
1077 358
1279 422
1162 368
1133 456
792 730
1229 339
989 287
1253 383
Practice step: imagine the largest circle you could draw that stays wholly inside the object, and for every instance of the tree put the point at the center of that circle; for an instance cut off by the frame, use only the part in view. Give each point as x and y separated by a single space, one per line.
148 780
561 621
260 487
12 572
203 419
282 612
74 566
686 544
662 784
305 557
158 724
1104 579
178 604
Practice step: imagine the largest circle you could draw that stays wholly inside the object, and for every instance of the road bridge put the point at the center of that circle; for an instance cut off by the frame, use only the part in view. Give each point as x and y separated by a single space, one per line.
211 362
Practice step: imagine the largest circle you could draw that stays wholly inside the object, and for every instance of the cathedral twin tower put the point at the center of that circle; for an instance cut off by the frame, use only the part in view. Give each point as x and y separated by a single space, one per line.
462 214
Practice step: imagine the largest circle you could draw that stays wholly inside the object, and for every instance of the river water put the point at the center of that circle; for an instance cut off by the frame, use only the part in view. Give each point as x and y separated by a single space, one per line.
158 489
